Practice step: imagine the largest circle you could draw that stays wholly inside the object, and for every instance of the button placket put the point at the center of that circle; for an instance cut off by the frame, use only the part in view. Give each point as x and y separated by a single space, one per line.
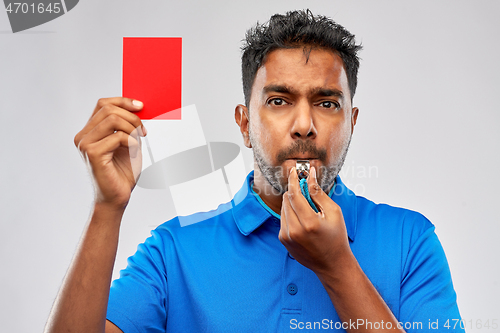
293 276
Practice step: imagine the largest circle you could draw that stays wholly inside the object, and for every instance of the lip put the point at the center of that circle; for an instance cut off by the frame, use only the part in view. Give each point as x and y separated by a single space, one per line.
302 158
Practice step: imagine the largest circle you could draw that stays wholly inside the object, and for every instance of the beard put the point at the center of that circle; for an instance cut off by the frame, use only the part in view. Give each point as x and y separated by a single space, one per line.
278 178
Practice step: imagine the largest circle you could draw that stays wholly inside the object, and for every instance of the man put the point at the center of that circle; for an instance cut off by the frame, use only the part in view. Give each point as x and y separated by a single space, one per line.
266 261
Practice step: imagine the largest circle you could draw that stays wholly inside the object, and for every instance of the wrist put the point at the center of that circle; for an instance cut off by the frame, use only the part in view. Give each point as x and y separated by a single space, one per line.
341 269
111 205
106 211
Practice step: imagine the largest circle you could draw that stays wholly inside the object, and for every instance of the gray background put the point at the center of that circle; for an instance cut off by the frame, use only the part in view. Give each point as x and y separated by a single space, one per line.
428 124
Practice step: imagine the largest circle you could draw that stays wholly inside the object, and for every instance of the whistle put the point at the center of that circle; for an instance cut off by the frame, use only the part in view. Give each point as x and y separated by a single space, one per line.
302 167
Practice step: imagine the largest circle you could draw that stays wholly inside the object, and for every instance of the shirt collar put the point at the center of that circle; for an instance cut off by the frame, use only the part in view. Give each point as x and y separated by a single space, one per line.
249 213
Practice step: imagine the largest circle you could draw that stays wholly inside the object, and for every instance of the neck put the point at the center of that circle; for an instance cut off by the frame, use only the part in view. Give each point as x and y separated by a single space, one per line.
266 192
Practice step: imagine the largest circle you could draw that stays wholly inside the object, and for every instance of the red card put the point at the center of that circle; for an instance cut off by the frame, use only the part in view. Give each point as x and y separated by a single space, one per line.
152 73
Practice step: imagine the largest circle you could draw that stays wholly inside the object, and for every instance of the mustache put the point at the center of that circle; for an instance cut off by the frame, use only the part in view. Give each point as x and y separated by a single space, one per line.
304 147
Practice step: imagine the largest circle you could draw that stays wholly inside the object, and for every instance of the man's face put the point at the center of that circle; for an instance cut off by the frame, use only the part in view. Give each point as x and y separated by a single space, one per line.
300 109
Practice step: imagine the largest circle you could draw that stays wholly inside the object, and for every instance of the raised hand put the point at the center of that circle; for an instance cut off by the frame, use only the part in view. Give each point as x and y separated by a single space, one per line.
111 146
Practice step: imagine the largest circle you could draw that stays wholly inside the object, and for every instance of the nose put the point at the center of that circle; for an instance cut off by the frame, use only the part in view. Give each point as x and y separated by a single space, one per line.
303 125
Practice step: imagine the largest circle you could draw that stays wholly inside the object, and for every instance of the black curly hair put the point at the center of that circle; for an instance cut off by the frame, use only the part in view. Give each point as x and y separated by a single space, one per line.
293 30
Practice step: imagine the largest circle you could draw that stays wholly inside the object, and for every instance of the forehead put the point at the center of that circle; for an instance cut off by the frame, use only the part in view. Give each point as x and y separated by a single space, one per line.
304 72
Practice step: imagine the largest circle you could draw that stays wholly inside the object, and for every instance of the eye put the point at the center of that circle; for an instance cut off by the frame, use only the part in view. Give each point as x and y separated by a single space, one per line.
329 105
277 102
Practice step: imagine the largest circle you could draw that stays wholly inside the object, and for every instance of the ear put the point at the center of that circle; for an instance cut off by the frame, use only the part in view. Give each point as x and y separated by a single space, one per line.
241 118
354 118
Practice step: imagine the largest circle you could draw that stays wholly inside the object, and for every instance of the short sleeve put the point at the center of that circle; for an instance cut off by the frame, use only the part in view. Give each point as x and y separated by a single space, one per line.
427 295
138 299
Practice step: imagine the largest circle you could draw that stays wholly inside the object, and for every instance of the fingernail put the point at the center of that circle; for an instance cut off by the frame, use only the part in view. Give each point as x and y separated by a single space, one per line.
313 173
144 131
291 170
137 103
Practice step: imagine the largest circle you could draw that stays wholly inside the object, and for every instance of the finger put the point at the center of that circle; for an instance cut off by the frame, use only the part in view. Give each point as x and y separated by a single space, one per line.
110 143
318 196
297 200
108 126
111 109
122 102
288 214
295 222
283 234
105 112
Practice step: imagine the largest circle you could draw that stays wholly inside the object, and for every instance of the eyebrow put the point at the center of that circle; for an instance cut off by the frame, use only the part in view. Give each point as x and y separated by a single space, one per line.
327 92
278 88
324 92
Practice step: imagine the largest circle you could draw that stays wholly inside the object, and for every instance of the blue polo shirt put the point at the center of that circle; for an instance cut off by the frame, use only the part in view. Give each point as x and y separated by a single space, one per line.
227 271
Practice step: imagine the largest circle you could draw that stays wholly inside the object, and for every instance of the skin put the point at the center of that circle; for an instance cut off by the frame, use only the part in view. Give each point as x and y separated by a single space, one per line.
110 145
304 116
299 110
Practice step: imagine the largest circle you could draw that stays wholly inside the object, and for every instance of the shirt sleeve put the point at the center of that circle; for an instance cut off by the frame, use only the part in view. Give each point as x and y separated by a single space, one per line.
138 299
427 294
